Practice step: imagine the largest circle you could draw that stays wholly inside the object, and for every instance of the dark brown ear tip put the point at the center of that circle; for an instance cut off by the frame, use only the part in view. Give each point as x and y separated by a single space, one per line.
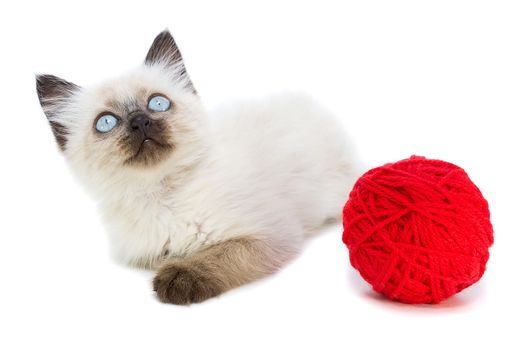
50 86
165 34
165 38
41 80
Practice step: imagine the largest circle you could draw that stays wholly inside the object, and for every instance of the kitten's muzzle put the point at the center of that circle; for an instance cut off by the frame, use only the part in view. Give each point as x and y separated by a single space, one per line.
147 140
141 123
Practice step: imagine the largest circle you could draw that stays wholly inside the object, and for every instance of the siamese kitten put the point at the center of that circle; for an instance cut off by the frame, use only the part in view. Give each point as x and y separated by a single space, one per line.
210 201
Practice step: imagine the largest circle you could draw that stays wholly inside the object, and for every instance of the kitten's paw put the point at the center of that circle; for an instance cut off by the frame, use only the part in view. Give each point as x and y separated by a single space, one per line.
182 284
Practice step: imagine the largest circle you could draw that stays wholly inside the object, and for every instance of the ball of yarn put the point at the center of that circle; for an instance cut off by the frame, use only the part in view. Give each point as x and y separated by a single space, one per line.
417 230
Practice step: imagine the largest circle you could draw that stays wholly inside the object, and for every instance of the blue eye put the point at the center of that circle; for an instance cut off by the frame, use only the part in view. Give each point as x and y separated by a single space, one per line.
106 123
159 103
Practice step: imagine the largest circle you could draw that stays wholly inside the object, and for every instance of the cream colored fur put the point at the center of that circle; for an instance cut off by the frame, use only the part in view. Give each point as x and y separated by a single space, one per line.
275 168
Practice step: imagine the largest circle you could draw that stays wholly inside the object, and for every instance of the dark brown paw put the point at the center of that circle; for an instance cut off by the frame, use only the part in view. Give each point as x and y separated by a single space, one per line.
181 284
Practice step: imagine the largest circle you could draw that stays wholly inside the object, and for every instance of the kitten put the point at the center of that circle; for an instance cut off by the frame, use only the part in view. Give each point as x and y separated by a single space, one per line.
210 201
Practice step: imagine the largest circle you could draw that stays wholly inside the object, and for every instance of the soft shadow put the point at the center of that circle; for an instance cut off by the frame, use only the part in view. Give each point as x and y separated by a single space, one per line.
463 300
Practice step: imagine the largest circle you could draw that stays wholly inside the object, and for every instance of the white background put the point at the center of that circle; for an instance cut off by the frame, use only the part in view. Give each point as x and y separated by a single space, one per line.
443 79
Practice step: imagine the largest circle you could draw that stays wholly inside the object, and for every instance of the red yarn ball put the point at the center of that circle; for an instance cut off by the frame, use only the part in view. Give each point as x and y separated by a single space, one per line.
417 230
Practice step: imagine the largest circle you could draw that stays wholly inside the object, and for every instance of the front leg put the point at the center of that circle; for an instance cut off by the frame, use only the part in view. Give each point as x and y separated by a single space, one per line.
218 268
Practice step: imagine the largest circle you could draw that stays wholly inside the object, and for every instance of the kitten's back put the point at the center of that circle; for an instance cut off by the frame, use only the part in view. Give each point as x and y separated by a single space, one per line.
290 147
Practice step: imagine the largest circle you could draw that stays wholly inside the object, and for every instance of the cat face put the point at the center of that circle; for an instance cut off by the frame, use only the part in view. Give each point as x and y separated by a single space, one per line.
146 121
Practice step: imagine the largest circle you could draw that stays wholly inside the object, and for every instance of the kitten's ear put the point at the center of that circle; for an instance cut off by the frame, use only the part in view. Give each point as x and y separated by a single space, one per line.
164 51
54 92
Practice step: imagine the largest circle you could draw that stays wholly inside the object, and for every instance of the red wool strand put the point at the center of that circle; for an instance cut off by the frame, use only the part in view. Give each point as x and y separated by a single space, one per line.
418 230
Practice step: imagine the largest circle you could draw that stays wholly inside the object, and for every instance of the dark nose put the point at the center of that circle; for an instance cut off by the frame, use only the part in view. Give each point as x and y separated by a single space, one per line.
140 123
